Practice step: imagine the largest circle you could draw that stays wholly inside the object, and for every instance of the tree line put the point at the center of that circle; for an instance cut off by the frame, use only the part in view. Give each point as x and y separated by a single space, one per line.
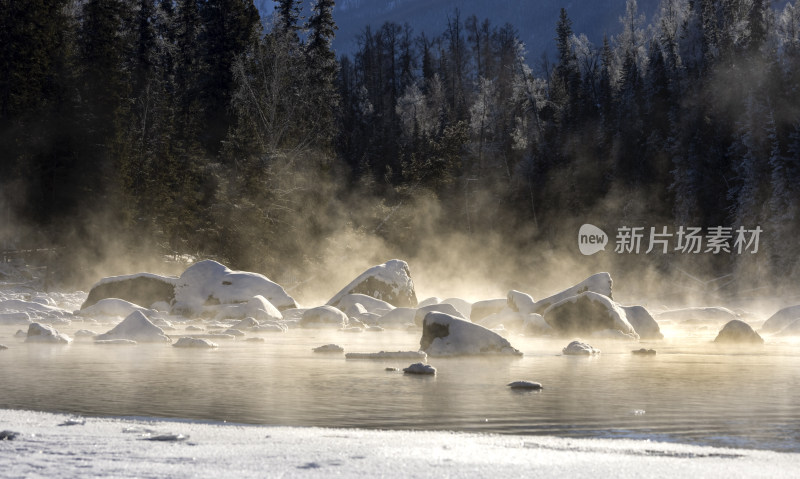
190 126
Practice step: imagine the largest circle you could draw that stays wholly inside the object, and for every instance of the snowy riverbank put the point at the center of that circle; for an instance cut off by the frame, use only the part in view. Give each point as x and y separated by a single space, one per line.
62 446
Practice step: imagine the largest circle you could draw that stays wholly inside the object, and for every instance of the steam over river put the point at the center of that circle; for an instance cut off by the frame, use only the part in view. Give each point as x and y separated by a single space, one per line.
692 391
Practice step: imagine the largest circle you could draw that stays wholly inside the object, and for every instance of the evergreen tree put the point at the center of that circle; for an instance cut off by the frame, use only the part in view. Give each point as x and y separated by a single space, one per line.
323 69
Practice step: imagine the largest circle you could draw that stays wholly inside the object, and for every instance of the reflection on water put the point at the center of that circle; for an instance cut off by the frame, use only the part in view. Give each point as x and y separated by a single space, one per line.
691 391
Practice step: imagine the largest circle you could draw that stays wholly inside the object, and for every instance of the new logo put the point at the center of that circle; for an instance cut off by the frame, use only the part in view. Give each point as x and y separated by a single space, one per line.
591 239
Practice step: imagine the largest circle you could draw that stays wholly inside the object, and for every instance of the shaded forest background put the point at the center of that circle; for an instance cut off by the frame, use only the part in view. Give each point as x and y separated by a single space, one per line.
129 128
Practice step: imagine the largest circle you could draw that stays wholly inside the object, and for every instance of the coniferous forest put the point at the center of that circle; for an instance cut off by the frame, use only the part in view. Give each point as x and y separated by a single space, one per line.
196 127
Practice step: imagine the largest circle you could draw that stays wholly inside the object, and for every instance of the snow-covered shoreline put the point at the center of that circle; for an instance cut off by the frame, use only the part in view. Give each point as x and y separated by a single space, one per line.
56 445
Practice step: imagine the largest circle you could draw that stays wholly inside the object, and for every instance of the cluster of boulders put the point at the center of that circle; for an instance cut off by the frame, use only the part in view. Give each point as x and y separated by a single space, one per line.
219 304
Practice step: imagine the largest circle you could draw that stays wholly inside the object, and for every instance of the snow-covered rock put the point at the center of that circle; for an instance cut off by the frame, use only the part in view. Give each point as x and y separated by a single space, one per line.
329 348
440 308
420 368
578 348
586 313
535 325
643 323
187 342
780 320
370 304
137 328
245 324
429 301
599 283
447 335
520 302
509 319
84 333
15 318
42 333
113 307
737 331
324 317
390 282
3 347
462 306
139 288
482 309
211 283
271 327
398 318
389 355
36 311
261 309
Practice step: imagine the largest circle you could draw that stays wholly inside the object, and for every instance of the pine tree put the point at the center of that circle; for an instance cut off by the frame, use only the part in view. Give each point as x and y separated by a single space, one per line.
323 69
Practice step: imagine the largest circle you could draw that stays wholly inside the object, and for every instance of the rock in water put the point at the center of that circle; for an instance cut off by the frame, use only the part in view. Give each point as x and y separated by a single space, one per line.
439 308
482 309
780 320
136 327
446 335
142 288
577 348
323 317
598 283
737 331
644 352
643 323
211 283
462 306
42 333
390 282
525 385
329 348
369 303
586 313
420 368
520 302
195 343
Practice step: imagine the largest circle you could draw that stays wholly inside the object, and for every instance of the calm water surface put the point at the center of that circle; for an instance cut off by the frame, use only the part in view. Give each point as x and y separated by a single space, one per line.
691 391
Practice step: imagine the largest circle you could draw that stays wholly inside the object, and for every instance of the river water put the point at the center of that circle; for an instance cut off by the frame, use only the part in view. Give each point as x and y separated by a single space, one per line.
692 391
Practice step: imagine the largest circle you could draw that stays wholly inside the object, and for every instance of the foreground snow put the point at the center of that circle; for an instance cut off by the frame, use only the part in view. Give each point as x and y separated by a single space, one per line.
57 445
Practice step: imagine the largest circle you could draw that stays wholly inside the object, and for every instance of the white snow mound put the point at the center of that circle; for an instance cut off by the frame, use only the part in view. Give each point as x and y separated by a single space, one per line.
136 327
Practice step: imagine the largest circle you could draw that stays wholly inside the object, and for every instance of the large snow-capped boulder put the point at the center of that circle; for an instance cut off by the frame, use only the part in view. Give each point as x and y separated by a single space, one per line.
139 288
643 323
113 307
323 317
780 320
370 304
15 318
446 335
737 331
482 309
211 283
598 283
390 282
136 327
446 308
42 333
586 313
